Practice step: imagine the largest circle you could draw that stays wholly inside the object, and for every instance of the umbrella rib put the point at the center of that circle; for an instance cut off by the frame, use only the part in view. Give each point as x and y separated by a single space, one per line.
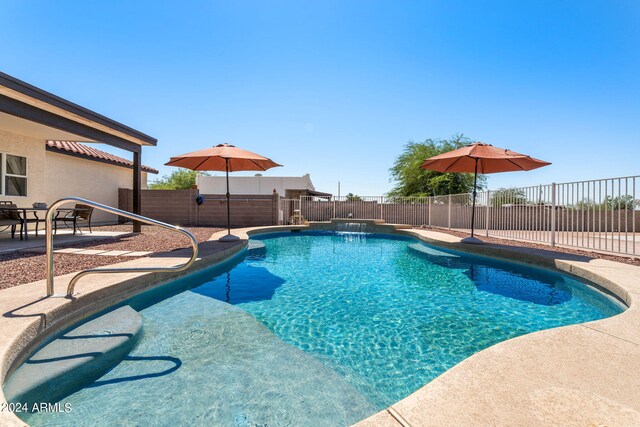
521 168
254 162
201 163
456 161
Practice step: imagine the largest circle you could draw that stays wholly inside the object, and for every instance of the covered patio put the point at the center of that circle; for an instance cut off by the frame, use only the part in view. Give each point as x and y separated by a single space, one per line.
29 117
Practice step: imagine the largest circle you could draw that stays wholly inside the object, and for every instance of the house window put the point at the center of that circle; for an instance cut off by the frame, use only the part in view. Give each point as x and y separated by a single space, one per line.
13 171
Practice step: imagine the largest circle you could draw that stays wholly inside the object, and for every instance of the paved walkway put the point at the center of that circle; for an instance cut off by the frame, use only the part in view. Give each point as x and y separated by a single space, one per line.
82 251
64 237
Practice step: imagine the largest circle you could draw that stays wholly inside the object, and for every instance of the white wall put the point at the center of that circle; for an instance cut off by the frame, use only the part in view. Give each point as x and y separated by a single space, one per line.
263 185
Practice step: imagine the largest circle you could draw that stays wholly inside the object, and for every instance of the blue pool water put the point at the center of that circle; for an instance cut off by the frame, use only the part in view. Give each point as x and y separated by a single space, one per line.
320 329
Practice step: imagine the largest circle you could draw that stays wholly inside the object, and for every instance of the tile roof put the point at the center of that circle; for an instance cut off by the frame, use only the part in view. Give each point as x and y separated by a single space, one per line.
85 151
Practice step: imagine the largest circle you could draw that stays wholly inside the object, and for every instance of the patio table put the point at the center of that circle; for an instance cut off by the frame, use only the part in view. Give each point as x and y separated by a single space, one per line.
35 213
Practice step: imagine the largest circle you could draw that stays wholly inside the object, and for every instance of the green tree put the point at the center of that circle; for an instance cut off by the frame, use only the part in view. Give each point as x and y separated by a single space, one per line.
411 180
508 196
180 179
626 202
353 198
585 204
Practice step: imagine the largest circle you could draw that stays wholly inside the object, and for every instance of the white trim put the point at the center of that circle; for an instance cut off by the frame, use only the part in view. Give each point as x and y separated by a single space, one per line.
4 174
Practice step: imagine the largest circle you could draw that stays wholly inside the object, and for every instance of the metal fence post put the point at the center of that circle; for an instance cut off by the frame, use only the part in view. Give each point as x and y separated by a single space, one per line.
275 207
449 214
334 207
299 206
553 214
486 226
429 208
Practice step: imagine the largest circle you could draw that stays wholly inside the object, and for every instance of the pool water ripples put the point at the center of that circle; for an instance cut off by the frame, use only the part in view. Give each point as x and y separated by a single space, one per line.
390 318
323 329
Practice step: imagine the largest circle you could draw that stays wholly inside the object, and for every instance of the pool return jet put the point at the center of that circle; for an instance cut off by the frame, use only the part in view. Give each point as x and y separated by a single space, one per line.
223 157
482 158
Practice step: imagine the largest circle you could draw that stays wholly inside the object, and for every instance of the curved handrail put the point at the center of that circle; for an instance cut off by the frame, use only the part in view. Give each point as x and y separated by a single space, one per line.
49 244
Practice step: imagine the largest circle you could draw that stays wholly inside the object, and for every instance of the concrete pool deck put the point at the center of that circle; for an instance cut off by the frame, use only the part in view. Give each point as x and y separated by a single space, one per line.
64 237
583 374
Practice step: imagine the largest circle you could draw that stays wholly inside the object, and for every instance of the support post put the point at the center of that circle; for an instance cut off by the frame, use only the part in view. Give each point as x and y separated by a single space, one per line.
228 199
553 214
334 205
275 204
228 237
449 220
488 209
473 205
137 188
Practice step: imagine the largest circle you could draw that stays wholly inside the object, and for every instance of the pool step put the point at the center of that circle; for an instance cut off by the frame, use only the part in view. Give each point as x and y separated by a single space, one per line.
428 250
76 358
255 245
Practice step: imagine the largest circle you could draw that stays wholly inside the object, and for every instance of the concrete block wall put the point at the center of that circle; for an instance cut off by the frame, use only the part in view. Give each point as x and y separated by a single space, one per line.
246 210
171 206
179 207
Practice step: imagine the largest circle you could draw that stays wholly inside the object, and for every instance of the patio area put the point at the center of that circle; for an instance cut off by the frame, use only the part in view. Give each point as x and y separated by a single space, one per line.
63 237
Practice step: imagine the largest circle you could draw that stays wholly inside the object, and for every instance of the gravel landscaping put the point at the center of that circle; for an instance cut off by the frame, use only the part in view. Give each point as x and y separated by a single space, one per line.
18 268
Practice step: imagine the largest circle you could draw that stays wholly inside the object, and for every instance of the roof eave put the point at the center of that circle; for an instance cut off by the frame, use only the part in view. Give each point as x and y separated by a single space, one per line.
46 97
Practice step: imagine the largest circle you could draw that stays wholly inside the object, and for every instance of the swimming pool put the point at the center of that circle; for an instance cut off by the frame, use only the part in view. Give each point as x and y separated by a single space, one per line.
321 328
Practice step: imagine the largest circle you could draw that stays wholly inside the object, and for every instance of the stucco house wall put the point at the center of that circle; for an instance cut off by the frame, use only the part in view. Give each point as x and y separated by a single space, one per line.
72 176
34 150
52 175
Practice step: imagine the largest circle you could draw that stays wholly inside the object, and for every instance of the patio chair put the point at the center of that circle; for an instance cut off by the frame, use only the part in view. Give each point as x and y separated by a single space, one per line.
80 213
35 220
10 218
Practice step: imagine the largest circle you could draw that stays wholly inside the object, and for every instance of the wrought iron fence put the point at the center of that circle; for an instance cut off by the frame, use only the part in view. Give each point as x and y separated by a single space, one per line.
288 210
601 214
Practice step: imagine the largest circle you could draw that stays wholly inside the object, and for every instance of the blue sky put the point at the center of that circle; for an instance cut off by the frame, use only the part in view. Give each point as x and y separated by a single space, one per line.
336 88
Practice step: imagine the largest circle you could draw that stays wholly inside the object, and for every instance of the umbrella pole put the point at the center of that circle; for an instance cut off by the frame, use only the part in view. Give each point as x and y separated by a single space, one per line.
473 207
228 197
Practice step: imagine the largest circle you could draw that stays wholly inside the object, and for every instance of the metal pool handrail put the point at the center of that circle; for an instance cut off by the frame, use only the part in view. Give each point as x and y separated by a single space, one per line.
49 244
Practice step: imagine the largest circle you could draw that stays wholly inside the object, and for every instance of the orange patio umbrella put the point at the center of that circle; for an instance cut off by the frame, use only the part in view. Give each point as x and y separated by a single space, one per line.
223 157
482 158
